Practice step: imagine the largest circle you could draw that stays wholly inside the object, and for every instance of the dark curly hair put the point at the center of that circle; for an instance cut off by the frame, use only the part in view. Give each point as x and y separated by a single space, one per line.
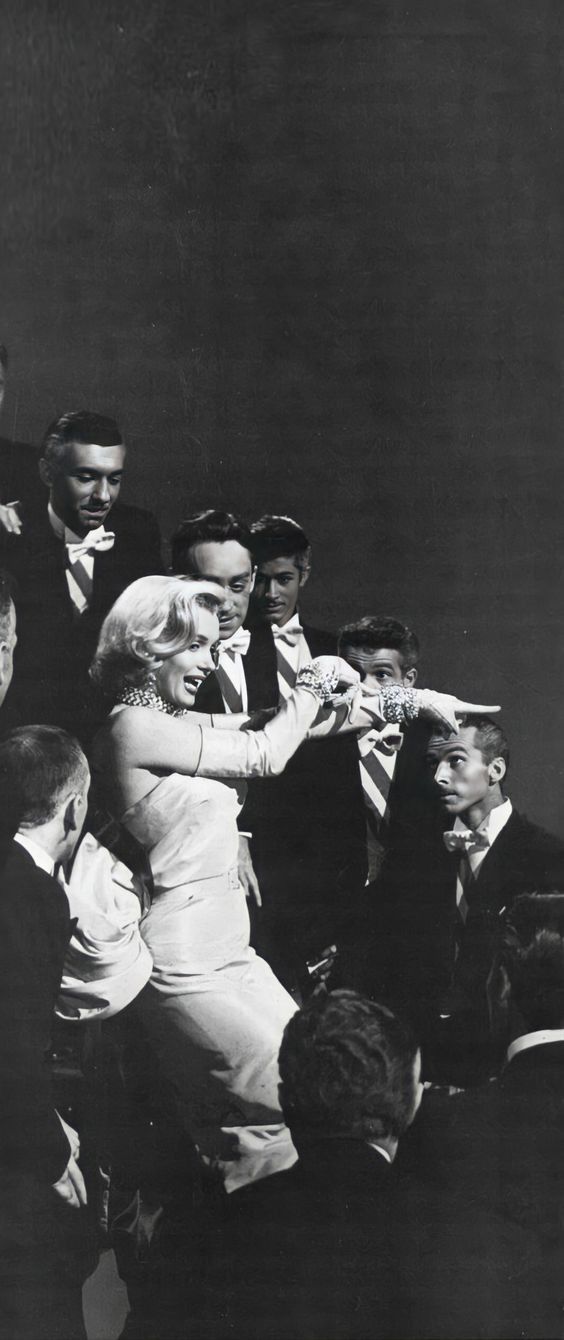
280 537
375 632
532 952
347 1068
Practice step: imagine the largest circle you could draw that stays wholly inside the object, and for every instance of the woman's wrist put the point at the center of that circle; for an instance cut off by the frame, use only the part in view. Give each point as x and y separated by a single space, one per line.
400 705
318 680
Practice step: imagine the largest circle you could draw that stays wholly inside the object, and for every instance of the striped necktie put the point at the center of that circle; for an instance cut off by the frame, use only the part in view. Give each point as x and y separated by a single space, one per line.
230 672
287 641
80 565
377 767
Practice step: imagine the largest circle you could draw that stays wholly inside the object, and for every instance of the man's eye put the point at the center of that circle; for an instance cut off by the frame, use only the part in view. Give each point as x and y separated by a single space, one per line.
114 480
238 586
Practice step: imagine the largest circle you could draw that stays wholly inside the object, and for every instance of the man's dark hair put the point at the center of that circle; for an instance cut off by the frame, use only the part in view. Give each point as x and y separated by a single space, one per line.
39 765
82 427
7 598
489 738
3 357
346 1068
532 952
375 633
203 527
280 537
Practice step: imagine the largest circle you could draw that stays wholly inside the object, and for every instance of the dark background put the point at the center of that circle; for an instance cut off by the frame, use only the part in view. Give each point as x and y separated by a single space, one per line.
309 255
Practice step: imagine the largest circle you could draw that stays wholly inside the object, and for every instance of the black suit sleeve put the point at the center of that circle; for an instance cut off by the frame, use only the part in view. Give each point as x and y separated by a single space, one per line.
33 929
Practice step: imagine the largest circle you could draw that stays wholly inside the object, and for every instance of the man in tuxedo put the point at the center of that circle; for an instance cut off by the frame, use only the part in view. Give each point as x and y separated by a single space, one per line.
392 790
322 1237
483 1170
218 543
70 568
447 919
45 1238
308 831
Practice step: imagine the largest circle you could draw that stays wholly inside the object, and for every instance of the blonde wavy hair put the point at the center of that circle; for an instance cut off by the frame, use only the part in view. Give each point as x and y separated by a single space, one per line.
151 620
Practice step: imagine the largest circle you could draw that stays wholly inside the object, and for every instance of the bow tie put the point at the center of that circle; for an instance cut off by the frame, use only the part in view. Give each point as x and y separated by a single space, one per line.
389 740
290 632
464 840
238 642
98 540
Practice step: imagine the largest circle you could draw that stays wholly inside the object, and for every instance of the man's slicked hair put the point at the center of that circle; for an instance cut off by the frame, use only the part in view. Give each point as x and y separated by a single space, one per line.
39 767
375 632
347 1068
280 537
211 526
532 952
81 427
489 738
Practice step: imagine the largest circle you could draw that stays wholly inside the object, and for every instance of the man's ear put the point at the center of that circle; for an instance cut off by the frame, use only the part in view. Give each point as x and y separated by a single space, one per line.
72 818
45 472
410 676
496 771
304 574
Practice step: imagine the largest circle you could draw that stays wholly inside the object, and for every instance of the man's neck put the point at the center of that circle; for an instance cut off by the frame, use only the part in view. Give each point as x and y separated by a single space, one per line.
475 816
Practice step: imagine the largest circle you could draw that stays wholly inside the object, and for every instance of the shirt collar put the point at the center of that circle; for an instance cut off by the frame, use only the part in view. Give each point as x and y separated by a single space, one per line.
538 1039
492 825
38 854
380 1150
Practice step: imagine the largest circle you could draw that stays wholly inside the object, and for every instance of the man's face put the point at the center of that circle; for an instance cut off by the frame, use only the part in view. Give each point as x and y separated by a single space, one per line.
380 667
84 488
7 645
277 589
229 565
459 772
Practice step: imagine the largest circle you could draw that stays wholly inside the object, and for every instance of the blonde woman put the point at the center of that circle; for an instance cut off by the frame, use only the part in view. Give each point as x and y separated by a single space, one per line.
213 1010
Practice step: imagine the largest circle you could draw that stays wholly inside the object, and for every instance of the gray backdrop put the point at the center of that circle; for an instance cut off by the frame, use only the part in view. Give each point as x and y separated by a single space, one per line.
309 255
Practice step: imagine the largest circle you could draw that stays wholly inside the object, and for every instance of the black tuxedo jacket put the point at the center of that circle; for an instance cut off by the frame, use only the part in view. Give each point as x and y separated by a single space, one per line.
55 645
483 1178
321 1241
423 973
34 933
308 831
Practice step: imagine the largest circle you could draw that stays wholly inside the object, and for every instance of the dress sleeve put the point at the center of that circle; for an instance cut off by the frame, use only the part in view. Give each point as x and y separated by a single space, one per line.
263 753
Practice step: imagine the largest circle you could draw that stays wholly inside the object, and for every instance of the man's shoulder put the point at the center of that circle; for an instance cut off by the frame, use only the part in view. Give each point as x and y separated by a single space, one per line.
532 835
19 871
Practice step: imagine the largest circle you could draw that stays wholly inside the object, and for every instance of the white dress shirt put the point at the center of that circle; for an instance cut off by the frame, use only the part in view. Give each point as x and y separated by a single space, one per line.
490 827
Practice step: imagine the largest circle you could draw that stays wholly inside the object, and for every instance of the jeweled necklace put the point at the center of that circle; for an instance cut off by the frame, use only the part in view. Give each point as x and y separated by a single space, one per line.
148 697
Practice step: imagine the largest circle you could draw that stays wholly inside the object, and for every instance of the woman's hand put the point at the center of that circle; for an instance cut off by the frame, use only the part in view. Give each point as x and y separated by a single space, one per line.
444 709
340 675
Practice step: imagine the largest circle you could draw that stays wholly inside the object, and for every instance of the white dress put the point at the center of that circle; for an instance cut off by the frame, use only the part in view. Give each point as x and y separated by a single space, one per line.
214 1011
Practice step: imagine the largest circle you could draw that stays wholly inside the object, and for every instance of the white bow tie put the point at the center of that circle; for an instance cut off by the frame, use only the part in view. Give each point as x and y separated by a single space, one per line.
289 633
98 540
465 840
389 740
238 642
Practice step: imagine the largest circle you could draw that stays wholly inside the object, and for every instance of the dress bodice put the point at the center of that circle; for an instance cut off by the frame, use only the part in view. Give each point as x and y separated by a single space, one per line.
188 827
198 921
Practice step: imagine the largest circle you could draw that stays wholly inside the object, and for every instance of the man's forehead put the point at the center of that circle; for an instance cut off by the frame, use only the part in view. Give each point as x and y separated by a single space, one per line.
372 655
284 563
463 743
223 558
94 455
